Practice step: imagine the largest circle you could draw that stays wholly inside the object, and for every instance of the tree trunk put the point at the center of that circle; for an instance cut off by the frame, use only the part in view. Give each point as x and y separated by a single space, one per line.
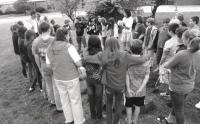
154 11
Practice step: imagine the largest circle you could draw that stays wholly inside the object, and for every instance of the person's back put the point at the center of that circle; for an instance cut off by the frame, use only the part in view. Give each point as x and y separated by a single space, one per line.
40 46
183 74
62 63
116 75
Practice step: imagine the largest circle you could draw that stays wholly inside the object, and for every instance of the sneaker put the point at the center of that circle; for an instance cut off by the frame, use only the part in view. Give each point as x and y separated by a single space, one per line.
31 89
197 105
59 111
44 94
165 94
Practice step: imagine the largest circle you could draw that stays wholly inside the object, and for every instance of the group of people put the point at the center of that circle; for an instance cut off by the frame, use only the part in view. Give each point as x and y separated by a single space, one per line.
112 73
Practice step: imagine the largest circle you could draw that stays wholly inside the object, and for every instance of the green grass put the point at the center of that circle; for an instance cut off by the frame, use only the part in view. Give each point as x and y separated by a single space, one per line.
17 106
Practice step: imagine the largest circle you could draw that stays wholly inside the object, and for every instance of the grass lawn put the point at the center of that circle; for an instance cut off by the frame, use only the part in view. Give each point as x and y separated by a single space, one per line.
18 106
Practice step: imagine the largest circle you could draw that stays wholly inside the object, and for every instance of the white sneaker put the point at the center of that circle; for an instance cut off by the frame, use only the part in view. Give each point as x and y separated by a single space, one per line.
197 105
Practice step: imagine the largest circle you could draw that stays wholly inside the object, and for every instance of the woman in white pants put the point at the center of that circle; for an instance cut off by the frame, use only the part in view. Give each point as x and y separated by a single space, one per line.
65 61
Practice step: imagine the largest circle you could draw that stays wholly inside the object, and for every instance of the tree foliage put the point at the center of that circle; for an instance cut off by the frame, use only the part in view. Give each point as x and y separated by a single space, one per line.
21 6
67 7
107 10
115 9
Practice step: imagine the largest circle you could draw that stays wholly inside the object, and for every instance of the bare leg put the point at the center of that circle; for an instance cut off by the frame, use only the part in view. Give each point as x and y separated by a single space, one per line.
136 115
129 115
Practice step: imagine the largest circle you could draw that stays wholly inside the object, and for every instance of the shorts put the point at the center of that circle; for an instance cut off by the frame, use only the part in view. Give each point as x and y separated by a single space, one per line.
134 101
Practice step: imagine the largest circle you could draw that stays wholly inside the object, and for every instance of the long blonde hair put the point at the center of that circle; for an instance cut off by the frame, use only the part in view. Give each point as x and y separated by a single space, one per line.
112 51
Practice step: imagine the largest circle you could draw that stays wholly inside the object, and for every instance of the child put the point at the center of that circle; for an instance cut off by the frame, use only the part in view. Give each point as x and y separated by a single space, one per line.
39 49
22 49
162 38
151 38
68 27
80 38
169 50
194 21
14 29
115 63
136 80
94 85
34 72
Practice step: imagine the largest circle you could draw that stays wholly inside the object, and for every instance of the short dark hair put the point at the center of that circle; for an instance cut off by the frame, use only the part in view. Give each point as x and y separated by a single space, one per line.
166 20
29 34
173 27
180 17
151 21
61 34
20 23
52 21
33 13
140 19
195 19
136 46
44 27
128 12
179 31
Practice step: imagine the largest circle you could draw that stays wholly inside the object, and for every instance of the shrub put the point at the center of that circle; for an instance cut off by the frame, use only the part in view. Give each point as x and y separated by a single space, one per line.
40 9
21 6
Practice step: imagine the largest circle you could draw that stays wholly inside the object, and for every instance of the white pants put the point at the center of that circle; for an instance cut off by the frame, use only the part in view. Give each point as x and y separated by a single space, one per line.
57 97
71 100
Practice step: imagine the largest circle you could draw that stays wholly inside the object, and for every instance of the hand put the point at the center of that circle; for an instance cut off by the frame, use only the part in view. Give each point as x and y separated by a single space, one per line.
85 53
130 92
138 92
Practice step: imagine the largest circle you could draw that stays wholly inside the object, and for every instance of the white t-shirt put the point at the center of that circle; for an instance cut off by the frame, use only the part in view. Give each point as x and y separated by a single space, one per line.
73 53
128 23
172 46
34 25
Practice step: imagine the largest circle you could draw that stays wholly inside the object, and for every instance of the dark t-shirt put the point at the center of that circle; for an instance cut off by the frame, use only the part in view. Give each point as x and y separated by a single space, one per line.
79 29
139 30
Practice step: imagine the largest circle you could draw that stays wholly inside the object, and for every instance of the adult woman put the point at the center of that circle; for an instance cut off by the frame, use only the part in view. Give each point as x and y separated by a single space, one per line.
65 61
183 73
94 85
115 64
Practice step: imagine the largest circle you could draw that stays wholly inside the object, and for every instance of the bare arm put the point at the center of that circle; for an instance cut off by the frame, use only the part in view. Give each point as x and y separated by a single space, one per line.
173 61
93 59
134 60
144 83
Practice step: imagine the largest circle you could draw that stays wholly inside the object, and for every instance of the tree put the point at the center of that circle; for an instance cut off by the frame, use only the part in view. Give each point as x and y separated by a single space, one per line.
21 6
67 6
156 4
